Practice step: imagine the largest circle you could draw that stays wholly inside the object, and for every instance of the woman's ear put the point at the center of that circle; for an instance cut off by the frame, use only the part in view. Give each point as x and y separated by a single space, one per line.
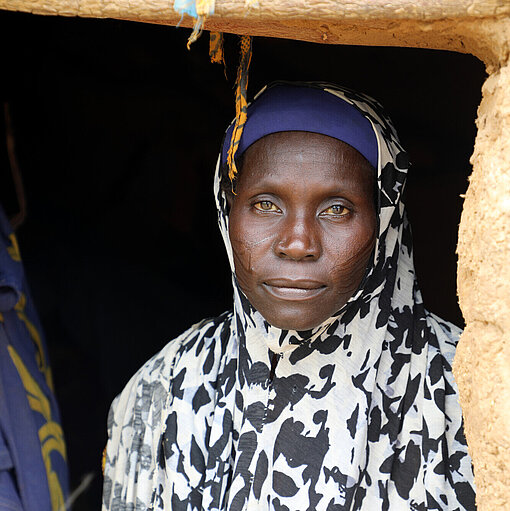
229 194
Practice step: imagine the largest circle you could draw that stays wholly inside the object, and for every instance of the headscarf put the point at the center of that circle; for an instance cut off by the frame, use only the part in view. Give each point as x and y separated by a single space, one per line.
361 413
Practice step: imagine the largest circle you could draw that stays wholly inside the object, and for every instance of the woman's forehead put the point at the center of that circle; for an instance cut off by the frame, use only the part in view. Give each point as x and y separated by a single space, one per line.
290 143
307 157
293 147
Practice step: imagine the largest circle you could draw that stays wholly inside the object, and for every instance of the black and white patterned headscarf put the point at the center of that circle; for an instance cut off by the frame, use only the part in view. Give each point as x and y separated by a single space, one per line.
362 413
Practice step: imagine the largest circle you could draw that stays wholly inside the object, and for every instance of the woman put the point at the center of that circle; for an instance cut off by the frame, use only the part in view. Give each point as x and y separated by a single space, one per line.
329 386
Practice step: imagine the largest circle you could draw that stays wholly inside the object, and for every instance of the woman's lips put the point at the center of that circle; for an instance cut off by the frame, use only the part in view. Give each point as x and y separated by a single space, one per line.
294 290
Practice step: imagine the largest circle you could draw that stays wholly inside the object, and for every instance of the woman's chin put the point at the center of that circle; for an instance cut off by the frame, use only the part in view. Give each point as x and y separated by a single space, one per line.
293 322
295 314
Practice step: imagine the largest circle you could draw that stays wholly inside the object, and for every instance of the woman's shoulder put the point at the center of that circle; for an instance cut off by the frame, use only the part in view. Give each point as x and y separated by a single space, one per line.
196 343
137 416
447 335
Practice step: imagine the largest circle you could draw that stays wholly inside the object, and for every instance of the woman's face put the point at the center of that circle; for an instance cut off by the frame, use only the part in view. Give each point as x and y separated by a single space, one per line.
302 226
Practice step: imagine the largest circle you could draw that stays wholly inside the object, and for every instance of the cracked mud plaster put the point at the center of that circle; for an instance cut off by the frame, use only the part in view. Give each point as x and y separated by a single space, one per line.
482 364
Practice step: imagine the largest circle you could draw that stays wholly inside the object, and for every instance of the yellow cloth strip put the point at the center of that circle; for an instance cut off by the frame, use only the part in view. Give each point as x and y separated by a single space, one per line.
36 338
38 401
50 434
13 250
103 460
216 47
241 103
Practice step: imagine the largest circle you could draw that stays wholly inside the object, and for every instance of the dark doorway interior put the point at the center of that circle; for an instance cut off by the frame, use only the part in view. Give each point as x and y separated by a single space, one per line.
117 128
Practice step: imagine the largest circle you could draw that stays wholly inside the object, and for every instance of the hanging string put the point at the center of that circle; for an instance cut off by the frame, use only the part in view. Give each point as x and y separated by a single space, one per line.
216 48
241 103
198 9
197 30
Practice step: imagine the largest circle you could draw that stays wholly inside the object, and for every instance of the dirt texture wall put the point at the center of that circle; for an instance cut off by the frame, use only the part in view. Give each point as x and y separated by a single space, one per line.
482 365
438 24
480 27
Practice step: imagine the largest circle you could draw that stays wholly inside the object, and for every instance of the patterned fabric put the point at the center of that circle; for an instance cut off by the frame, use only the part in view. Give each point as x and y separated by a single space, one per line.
33 465
241 103
216 48
361 413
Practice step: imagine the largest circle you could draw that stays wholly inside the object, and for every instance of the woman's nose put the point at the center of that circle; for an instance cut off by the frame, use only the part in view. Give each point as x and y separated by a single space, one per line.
298 240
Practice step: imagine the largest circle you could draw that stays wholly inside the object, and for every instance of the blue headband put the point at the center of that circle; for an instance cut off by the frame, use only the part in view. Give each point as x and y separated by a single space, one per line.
288 107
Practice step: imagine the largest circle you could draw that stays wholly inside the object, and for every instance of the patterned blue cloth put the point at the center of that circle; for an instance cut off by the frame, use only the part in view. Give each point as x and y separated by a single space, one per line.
33 466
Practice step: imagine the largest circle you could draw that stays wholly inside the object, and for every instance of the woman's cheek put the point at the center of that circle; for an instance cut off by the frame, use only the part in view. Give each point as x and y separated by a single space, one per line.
245 263
350 265
242 260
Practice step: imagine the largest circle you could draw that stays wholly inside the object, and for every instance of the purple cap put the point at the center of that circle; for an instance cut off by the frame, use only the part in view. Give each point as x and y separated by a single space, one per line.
288 107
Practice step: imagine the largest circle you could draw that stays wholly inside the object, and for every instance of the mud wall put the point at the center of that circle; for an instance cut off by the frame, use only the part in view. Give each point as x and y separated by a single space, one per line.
483 357
478 27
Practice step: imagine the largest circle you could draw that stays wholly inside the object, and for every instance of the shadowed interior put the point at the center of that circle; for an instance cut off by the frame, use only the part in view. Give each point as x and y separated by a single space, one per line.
118 128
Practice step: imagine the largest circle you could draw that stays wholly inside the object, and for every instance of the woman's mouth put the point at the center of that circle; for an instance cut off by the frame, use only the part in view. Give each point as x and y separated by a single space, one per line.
294 290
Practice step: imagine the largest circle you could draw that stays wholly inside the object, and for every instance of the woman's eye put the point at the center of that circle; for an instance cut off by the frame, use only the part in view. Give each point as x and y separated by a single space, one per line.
336 210
266 205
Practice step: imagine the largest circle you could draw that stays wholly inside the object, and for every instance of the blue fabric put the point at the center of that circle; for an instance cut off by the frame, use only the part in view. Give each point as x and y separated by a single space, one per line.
5 455
9 497
189 7
27 428
11 274
186 6
292 107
